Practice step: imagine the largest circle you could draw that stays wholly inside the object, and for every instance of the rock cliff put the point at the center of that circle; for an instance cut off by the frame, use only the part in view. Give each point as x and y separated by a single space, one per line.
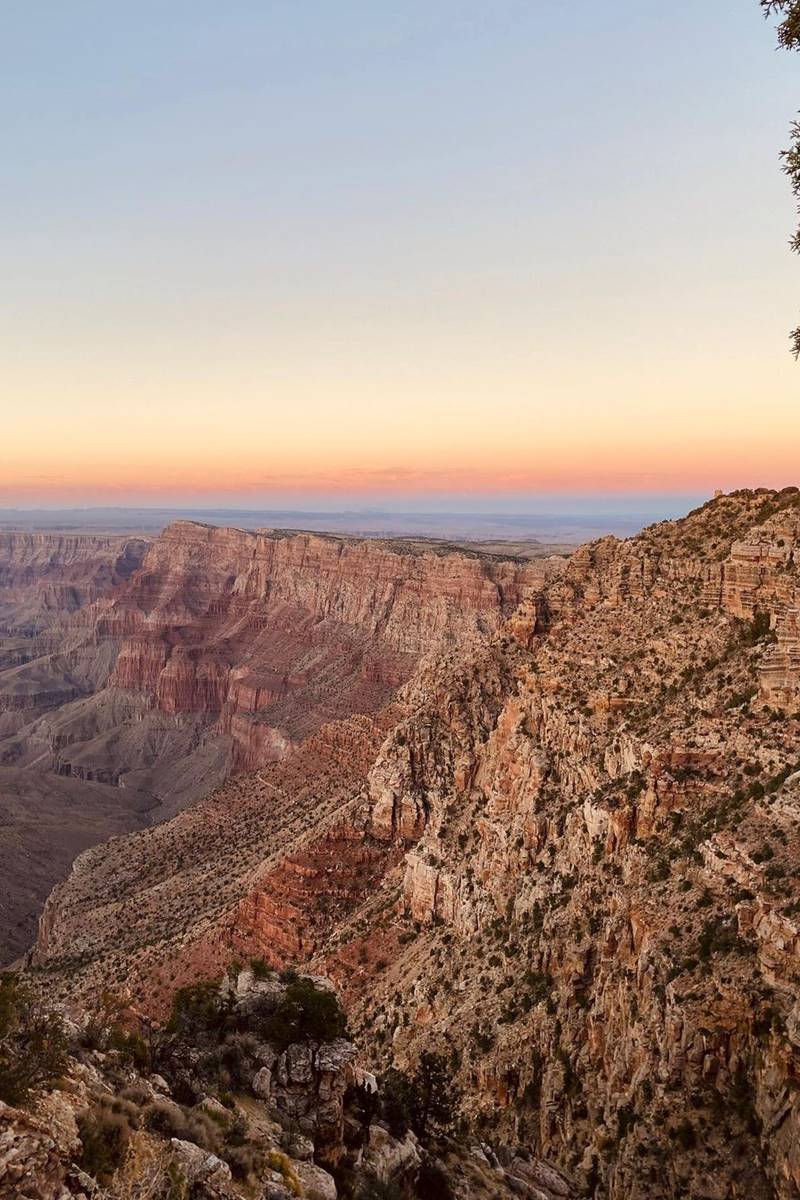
251 1090
603 900
269 635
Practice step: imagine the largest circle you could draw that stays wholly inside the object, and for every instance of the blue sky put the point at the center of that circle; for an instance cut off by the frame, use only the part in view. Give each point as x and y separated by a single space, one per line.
270 251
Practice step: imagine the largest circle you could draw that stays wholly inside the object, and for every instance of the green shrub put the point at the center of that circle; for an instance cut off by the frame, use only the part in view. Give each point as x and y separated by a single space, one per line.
719 936
190 1125
33 1043
105 1131
395 1094
376 1189
302 1013
196 1008
260 969
685 1136
425 1101
758 628
432 1183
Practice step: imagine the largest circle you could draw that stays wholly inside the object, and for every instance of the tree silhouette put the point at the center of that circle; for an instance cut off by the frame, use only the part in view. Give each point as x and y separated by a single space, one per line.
434 1099
788 12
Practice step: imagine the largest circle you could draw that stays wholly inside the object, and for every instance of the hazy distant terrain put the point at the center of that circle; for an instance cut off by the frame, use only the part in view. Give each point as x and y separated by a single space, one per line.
550 528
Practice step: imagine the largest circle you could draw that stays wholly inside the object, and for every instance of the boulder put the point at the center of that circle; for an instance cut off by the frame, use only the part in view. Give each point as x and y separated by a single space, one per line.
30 1166
215 1109
262 1083
317 1184
296 1065
389 1157
199 1165
301 1148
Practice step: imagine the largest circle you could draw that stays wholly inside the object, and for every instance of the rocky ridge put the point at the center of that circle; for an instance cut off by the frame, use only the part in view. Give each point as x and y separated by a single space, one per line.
604 897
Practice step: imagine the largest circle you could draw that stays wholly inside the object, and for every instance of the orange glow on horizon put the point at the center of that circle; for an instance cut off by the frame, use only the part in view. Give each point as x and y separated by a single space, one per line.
695 471
552 424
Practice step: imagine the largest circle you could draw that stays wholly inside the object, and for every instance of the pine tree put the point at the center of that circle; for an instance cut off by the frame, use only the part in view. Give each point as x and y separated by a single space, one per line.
788 12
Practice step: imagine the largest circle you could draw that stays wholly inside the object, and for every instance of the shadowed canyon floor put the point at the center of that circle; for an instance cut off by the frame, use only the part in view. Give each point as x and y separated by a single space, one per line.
47 582
564 852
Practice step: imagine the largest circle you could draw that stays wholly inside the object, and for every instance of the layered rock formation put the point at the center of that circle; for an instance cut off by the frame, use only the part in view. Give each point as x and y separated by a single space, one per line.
45 576
159 669
46 580
250 642
271 635
565 855
604 897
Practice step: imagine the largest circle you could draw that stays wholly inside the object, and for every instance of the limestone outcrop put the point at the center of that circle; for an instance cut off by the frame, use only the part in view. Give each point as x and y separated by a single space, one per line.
183 1114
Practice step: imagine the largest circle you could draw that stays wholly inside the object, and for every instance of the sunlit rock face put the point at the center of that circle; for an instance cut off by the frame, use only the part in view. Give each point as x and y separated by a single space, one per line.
269 635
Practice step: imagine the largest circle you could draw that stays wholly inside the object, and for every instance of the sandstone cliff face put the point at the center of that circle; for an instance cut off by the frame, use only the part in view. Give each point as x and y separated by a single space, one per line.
44 576
565 854
258 637
46 580
256 640
605 899
269 635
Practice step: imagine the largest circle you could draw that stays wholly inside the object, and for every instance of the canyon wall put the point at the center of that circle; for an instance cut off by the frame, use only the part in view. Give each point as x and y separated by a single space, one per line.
270 635
604 896
46 576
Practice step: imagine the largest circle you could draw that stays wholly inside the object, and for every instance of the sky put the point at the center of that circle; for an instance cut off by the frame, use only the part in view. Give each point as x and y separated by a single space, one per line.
458 256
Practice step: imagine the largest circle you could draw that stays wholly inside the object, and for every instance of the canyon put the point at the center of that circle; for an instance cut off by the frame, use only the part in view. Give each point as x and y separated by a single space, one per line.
542 818
561 848
48 581
138 674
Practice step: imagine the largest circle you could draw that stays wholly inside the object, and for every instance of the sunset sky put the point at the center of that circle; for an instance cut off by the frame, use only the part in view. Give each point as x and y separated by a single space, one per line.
440 254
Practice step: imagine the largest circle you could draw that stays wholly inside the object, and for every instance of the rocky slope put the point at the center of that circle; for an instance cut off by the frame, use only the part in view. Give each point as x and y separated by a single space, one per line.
603 900
253 1089
565 855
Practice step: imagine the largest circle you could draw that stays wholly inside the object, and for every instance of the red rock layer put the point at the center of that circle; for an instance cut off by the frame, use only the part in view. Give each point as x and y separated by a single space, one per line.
269 636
